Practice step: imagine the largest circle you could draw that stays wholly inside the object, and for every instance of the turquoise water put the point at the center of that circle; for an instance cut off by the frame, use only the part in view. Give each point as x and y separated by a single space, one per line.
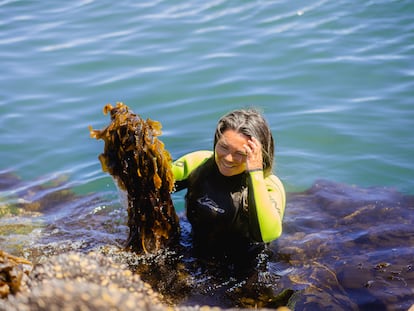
335 79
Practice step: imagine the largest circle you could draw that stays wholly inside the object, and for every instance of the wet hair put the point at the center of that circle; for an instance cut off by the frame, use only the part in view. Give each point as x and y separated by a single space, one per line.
251 123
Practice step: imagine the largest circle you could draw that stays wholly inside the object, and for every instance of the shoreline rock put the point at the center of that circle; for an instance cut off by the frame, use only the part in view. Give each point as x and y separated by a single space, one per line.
93 281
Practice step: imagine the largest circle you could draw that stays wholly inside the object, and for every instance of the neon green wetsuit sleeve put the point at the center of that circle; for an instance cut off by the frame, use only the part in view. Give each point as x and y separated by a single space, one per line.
267 200
183 166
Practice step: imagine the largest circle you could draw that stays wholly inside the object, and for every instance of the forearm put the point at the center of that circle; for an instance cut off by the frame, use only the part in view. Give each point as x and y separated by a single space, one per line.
266 206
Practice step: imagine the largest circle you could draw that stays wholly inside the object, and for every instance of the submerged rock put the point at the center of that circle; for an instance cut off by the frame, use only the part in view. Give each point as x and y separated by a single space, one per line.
348 248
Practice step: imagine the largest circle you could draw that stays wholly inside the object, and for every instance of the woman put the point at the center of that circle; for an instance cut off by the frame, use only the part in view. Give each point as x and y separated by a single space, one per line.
234 202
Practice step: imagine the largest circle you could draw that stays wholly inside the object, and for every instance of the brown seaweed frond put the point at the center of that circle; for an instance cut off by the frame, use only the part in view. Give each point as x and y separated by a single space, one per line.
11 273
141 166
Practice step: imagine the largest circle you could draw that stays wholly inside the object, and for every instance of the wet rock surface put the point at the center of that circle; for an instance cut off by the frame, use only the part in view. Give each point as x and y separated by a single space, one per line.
93 281
76 281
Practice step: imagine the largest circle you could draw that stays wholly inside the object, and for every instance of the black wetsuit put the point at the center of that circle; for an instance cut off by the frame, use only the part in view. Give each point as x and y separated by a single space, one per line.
216 207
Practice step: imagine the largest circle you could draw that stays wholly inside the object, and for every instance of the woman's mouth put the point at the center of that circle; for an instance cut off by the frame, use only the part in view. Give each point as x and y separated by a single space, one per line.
228 165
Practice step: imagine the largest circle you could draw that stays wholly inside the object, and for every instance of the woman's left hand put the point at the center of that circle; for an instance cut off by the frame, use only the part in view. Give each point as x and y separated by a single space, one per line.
254 158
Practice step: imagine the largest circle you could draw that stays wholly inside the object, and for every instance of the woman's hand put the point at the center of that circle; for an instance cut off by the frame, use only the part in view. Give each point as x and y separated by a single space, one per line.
254 158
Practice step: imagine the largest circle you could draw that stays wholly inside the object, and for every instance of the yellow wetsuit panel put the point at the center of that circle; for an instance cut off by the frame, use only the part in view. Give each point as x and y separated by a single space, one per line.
183 166
267 200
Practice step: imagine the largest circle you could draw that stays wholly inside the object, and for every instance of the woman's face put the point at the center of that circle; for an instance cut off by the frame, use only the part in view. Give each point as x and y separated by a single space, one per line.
230 153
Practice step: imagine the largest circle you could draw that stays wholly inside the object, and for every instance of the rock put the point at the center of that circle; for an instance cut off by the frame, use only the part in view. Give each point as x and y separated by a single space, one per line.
76 281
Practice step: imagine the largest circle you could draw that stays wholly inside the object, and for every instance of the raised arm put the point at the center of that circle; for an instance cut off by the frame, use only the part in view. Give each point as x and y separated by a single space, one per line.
267 200
267 197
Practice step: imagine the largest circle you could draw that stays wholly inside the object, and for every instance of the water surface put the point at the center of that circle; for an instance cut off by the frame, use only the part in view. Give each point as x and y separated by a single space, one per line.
334 79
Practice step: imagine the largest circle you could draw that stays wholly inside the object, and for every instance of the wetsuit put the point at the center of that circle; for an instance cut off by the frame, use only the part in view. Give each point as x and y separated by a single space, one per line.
227 214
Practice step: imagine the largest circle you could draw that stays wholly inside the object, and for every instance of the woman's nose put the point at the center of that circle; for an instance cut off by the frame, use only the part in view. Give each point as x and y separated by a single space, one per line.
229 157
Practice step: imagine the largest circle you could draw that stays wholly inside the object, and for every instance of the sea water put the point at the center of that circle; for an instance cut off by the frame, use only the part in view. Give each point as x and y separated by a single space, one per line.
335 80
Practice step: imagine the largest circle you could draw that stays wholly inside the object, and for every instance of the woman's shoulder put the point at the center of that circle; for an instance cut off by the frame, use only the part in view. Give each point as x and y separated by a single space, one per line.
185 165
195 157
199 154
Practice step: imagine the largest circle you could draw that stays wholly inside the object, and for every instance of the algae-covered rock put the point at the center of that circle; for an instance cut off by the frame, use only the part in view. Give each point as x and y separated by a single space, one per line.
76 281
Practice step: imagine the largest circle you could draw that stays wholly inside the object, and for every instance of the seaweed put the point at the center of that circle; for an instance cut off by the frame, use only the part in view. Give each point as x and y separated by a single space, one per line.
12 271
137 160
